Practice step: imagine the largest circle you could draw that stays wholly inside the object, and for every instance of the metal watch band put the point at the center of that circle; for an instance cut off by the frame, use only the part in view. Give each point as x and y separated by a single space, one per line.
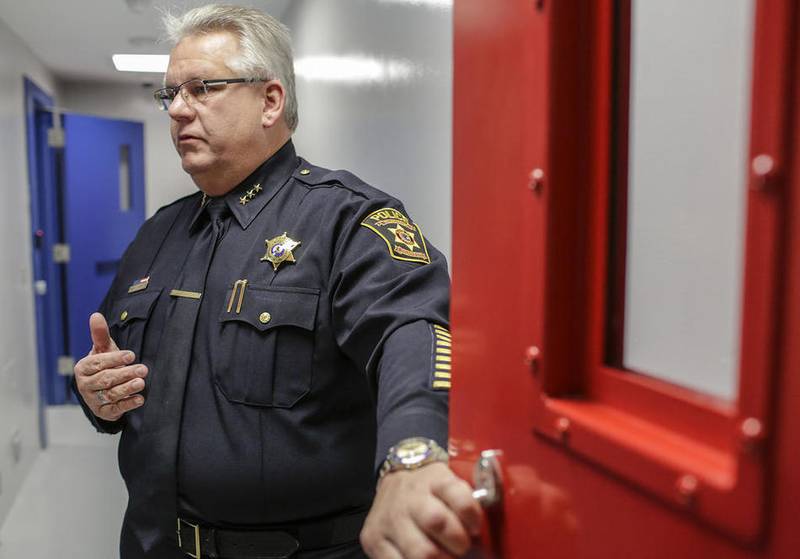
428 449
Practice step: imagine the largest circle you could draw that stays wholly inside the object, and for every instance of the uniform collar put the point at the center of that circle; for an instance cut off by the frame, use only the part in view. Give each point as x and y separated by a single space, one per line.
252 194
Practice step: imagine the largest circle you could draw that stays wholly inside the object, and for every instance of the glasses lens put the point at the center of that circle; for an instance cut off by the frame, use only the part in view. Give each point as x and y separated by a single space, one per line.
164 97
193 91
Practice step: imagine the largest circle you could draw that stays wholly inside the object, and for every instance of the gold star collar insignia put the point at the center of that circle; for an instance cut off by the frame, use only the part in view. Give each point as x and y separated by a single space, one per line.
252 193
279 250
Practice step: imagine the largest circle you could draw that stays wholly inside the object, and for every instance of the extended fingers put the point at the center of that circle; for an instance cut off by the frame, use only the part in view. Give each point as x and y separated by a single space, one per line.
120 391
94 363
112 412
109 378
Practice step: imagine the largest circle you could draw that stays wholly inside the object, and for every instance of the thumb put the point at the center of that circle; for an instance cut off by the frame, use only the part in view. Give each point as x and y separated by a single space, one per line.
101 338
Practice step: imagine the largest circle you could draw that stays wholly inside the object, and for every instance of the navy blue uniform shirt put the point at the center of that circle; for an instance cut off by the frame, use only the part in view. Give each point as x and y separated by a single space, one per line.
316 340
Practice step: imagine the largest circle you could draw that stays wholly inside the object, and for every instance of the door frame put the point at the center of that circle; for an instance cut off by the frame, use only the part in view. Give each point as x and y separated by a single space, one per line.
43 219
705 456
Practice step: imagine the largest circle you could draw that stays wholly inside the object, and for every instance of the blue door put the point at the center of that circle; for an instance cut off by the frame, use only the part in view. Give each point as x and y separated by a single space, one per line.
104 207
87 187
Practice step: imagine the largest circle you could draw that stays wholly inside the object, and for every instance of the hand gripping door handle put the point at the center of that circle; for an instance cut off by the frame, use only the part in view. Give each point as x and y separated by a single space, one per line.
488 479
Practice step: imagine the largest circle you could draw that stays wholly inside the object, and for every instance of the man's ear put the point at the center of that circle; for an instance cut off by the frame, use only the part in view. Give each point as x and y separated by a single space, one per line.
274 103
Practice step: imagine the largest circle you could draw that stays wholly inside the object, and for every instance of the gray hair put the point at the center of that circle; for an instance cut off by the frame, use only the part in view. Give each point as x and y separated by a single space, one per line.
265 44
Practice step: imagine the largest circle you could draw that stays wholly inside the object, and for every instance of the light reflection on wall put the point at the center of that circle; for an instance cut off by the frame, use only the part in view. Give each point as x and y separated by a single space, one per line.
355 69
374 88
432 3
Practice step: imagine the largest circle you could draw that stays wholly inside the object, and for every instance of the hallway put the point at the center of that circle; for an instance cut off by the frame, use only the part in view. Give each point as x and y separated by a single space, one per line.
71 503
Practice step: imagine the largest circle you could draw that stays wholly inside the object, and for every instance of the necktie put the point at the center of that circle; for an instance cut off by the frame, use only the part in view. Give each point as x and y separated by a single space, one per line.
176 348
193 276
167 382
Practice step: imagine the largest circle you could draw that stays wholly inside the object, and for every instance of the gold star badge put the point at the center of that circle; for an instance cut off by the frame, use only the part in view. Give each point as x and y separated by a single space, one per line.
279 250
404 236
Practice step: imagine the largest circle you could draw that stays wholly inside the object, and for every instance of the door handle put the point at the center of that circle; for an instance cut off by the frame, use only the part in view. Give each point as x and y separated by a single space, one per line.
488 479
40 287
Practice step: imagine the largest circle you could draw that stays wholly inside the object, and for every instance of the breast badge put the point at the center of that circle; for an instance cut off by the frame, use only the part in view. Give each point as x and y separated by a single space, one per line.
279 250
139 285
404 238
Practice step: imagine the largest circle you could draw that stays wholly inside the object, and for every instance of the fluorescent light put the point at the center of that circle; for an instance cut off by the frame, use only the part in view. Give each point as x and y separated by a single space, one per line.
355 69
141 62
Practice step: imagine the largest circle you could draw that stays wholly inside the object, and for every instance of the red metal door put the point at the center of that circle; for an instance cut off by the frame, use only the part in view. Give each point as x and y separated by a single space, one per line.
597 460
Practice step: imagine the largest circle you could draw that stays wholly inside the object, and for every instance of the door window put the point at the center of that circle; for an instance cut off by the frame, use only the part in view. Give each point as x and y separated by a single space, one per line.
689 129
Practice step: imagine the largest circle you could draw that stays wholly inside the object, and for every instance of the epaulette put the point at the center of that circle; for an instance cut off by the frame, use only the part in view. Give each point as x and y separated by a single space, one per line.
312 176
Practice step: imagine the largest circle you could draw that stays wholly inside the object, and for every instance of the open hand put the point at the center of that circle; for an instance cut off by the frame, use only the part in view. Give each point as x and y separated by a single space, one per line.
107 379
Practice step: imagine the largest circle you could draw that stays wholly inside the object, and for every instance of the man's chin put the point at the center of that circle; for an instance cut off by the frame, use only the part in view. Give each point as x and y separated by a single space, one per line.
195 165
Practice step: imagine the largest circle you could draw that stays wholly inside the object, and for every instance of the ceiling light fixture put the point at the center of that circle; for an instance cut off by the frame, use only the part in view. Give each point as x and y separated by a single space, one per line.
141 62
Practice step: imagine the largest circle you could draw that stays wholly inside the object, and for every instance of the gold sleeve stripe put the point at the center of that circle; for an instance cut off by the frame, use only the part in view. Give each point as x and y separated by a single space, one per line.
442 343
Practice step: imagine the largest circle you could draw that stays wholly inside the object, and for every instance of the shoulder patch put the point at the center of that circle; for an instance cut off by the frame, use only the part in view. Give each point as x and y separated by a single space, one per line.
404 238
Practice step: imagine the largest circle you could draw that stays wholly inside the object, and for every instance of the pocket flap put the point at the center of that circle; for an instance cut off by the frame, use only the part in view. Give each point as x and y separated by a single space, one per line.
270 307
136 306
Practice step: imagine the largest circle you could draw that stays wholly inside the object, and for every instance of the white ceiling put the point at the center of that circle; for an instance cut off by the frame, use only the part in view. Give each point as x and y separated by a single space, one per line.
76 38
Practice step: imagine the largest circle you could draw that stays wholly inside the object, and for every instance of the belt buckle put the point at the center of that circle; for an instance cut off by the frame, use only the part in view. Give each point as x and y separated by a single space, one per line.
196 528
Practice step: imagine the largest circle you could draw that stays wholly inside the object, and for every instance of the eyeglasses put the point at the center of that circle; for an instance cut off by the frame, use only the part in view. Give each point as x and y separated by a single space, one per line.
195 91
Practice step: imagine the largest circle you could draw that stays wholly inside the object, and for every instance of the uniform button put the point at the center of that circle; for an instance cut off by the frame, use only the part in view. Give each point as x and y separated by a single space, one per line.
124 315
305 172
264 317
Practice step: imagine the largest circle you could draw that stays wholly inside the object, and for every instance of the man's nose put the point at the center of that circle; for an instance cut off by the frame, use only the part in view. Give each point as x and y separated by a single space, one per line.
180 109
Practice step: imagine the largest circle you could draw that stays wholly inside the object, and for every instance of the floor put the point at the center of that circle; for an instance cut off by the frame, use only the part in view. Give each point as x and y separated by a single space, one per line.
71 504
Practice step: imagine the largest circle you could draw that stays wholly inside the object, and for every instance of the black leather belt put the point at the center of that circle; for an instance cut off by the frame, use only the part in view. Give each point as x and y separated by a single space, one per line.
280 541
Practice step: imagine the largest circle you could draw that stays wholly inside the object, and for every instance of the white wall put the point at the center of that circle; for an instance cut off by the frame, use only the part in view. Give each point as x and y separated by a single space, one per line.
19 394
393 127
165 181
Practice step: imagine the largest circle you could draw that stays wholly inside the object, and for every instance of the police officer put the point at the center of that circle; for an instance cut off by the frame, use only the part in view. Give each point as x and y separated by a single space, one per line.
276 344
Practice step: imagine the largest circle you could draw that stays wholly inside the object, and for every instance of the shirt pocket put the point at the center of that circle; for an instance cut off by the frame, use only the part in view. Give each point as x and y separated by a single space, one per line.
128 320
266 351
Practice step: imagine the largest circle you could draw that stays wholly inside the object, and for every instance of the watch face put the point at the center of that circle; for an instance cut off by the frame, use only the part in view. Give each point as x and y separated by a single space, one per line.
413 451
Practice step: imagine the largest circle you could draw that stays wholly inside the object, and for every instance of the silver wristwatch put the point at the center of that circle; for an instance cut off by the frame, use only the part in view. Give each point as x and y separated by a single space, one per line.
413 453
